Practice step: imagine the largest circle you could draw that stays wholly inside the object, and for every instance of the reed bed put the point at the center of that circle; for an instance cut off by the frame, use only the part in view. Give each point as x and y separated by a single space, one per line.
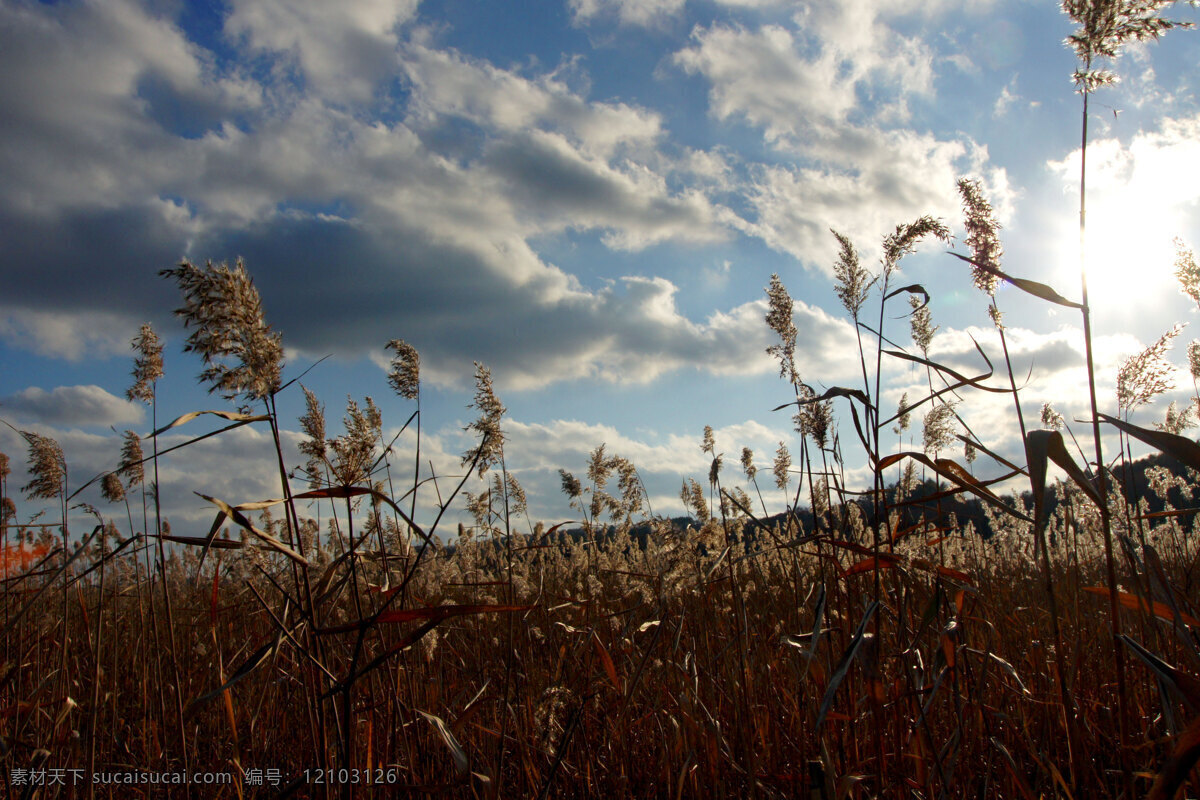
846 642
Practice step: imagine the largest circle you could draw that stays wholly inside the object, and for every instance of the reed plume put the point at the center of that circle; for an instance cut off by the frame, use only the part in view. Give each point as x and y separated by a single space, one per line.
47 468
147 364
982 236
132 466
779 319
490 449
243 355
1146 375
404 374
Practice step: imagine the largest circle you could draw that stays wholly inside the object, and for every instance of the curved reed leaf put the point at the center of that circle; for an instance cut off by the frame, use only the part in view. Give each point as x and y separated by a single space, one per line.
881 561
462 764
1183 758
1179 447
915 288
1039 290
843 665
239 518
232 416
1185 685
955 473
1042 446
1138 603
249 665
831 392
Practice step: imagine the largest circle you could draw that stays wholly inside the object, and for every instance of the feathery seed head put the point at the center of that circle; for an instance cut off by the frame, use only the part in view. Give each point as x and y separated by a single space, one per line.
47 465
939 426
224 307
147 364
921 325
748 463
779 319
633 493
517 503
1194 359
1051 419
354 452
783 462
405 373
714 470
1186 271
570 484
709 444
479 506
131 460
905 238
982 235
692 495
851 280
1146 375
312 424
1177 421
1105 27
491 443
599 467
111 488
905 418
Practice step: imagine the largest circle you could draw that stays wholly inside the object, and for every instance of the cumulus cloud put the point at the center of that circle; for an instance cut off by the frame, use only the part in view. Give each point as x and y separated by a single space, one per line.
854 170
69 336
90 92
342 50
795 82
299 186
72 405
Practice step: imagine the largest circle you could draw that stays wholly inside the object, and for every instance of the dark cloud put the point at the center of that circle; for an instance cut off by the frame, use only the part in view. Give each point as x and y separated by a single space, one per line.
91 258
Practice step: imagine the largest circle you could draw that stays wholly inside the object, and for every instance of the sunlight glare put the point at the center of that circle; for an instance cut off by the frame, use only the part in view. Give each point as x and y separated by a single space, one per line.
1133 217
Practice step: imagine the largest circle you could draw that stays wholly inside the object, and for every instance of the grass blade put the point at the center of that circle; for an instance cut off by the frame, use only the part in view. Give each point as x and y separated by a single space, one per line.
843 665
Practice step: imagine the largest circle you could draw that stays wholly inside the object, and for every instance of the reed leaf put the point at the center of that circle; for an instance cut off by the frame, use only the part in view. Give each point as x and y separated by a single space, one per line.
1039 290
843 665
1176 446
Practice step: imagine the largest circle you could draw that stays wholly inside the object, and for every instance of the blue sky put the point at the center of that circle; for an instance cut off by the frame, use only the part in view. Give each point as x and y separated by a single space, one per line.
587 196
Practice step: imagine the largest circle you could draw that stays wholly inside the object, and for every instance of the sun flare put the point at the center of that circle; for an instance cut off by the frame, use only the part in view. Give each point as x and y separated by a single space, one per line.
1134 215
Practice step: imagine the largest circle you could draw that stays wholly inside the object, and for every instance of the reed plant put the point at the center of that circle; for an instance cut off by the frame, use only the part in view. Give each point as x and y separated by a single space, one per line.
815 640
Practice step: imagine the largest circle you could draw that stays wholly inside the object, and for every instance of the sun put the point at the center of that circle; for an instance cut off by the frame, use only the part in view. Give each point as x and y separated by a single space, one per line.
1130 258
1130 247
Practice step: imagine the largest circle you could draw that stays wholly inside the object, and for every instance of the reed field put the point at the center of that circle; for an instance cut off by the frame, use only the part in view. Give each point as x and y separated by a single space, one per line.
937 633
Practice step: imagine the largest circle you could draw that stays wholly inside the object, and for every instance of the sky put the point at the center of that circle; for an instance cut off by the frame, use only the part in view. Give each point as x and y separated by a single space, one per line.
589 197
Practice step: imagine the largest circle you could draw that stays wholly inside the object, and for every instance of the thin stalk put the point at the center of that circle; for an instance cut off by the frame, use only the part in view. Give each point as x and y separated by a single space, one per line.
1102 483
162 570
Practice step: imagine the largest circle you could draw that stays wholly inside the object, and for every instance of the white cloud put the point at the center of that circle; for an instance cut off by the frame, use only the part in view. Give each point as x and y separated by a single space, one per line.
760 76
647 13
1008 96
827 94
898 176
796 83
65 335
88 92
72 405
343 49
450 84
